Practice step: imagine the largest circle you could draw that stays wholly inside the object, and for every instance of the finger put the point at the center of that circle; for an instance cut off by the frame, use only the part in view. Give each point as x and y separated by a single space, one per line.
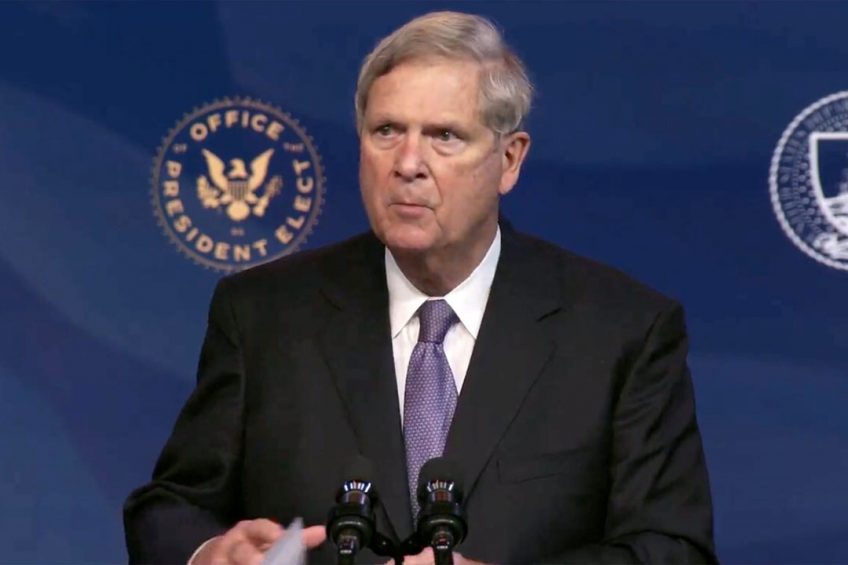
244 553
261 532
207 553
314 536
423 558
223 547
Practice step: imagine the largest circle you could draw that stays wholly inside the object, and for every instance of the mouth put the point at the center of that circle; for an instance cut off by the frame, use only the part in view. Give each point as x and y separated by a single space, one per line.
409 209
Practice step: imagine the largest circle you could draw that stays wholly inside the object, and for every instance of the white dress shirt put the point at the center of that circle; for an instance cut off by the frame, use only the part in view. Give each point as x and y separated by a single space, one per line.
468 301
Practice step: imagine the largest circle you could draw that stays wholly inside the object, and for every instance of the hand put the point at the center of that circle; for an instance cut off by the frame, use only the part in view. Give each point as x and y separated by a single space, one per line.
246 543
426 558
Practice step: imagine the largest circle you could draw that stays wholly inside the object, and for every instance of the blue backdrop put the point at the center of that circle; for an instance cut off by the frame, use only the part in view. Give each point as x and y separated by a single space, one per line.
653 130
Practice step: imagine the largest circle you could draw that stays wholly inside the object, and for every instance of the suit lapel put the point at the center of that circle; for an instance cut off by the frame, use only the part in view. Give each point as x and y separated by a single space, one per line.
511 350
357 347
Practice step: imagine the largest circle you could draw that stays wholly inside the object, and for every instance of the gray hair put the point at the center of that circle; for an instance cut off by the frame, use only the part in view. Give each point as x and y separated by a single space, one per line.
505 90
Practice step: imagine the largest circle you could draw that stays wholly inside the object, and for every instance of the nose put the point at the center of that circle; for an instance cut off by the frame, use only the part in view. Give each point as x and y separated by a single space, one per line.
409 161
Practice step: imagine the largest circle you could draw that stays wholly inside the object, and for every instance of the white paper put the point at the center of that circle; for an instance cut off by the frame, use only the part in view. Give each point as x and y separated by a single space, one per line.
289 549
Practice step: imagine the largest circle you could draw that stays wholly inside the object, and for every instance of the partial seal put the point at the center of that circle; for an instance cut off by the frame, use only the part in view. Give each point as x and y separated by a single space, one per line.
808 181
237 182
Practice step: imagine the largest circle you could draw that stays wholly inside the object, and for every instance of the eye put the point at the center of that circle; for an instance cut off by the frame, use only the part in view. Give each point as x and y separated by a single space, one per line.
446 135
385 130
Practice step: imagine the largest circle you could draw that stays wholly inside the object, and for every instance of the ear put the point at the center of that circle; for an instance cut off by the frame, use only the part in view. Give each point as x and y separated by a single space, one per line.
514 148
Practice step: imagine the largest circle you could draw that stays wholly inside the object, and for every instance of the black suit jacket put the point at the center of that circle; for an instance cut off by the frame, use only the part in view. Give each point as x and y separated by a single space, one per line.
574 433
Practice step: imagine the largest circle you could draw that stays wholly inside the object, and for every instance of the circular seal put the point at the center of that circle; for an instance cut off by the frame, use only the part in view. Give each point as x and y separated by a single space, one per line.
808 180
237 182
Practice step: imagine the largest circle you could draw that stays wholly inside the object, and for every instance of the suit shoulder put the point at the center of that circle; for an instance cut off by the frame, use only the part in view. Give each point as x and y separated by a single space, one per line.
599 284
302 271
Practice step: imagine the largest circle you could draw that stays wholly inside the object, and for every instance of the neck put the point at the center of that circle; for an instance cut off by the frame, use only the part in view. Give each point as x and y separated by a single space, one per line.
438 272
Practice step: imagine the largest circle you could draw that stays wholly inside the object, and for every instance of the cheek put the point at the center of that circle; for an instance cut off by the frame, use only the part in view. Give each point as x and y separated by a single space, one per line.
454 179
372 194
367 177
463 184
373 169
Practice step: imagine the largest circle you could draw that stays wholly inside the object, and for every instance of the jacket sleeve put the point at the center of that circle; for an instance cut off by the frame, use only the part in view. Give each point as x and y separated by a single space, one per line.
659 508
193 494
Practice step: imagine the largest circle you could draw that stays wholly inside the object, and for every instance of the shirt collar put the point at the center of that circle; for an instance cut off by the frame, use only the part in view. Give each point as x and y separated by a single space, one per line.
468 300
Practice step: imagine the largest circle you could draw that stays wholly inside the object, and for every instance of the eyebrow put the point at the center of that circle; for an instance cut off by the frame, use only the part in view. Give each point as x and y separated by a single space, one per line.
442 126
428 127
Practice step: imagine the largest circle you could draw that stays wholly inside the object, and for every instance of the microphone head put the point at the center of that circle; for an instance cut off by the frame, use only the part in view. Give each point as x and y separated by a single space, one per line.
441 521
358 477
351 522
438 470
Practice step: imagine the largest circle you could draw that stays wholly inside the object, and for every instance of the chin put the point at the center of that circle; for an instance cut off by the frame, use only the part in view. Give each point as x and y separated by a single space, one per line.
407 239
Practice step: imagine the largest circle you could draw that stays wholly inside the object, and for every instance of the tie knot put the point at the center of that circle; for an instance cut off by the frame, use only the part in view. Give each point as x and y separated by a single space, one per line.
436 317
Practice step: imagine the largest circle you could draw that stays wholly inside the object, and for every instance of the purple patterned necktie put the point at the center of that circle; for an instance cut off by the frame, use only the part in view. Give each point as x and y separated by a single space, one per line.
430 396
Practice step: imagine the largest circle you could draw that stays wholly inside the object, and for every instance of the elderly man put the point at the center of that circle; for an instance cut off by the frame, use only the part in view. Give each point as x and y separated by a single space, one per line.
558 386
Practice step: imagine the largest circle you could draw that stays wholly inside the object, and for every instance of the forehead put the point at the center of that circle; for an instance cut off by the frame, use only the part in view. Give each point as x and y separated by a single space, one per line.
434 87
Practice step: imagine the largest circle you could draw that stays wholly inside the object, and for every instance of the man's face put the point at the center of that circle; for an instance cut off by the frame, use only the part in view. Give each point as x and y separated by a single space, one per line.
430 172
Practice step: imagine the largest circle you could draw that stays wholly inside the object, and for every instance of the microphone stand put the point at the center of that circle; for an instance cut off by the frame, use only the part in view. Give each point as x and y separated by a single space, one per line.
443 557
346 548
442 544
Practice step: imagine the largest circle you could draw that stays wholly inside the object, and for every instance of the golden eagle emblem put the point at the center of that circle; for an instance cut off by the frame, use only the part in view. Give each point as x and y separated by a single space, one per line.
235 188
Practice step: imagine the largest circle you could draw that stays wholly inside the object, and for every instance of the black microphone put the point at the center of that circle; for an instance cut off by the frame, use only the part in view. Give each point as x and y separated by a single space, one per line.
351 522
441 521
